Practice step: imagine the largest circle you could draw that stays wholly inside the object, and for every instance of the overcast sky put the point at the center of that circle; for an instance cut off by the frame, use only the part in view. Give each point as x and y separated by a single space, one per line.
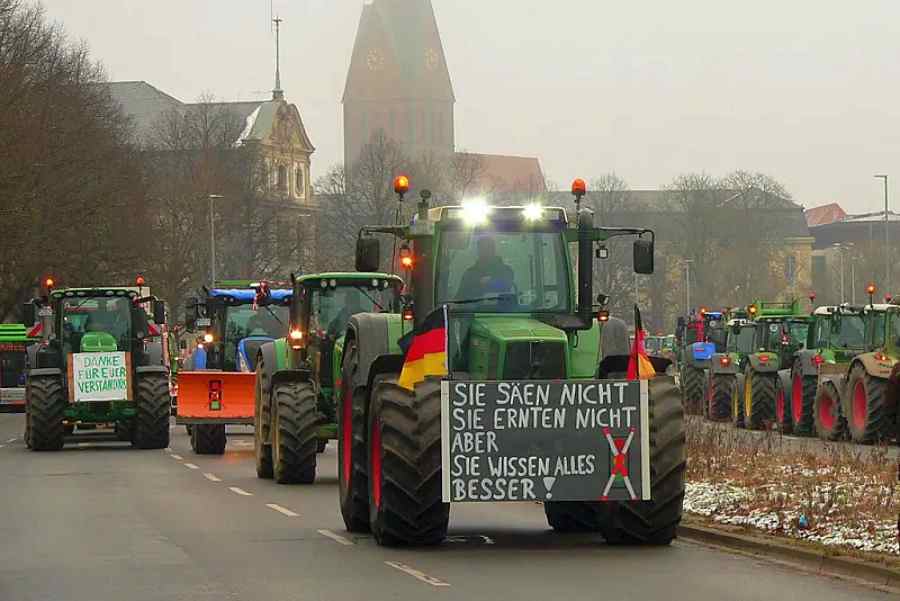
805 90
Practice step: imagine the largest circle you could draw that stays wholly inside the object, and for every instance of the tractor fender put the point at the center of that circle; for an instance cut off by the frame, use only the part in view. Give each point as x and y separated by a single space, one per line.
152 369
804 359
44 371
770 366
154 353
370 331
786 382
291 375
873 367
716 367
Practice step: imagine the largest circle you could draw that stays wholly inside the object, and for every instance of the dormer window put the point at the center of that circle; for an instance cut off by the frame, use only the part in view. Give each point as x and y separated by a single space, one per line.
299 182
282 179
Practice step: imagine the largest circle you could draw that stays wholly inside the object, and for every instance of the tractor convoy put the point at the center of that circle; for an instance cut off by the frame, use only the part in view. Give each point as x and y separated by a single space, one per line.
470 370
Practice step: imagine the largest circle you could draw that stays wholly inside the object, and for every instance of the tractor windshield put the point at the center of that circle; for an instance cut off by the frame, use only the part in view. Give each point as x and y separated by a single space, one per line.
503 271
332 308
849 332
740 339
96 323
241 321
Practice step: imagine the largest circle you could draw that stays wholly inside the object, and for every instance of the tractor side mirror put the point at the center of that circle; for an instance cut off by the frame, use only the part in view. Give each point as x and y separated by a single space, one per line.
190 314
368 253
643 256
28 314
159 312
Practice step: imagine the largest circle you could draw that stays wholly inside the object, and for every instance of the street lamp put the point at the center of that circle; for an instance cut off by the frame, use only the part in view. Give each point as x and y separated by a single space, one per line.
887 252
212 239
687 285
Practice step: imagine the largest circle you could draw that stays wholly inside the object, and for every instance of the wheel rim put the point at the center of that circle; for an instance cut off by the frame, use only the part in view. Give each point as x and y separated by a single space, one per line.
347 434
797 398
375 454
748 396
826 411
860 405
779 405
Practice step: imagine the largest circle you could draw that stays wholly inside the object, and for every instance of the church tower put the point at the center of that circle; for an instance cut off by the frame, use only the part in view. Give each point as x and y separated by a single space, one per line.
398 81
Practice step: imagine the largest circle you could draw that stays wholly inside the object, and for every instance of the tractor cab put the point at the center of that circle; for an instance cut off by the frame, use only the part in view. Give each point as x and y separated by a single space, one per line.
15 339
782 330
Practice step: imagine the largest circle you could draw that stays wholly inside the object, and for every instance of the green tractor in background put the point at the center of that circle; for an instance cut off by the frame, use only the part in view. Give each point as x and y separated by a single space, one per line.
781 331
862 401
836 335
97 364
504 280
725 367
297 376
15 339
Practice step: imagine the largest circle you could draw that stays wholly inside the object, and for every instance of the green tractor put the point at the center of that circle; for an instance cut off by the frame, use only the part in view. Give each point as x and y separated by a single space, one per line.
861 400
725 367
297 376
836 335
495 298
15 338
781 331
97 364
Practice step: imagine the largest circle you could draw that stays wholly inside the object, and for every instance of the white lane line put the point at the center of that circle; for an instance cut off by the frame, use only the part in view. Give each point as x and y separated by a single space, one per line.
212 477
336 538
176 457
240 491
191 466
11 440
168 449
417 574
283 510
2 445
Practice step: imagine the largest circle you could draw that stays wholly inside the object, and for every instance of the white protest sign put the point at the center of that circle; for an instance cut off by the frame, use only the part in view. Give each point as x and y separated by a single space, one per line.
99 377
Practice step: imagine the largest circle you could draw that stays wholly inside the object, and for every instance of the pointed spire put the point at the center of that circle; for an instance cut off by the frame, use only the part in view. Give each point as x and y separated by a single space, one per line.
277 93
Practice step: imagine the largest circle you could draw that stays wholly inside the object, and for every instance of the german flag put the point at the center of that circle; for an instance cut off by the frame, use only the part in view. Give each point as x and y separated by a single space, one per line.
427 353
639 365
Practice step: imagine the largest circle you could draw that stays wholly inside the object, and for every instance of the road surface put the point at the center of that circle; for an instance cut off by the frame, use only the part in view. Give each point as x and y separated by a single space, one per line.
101 522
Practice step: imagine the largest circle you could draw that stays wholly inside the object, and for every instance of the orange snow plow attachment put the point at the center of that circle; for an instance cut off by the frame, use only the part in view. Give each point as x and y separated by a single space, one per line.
216 397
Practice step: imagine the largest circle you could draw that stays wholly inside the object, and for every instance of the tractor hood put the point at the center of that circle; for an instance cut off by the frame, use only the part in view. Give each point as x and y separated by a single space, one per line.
247 350
514 347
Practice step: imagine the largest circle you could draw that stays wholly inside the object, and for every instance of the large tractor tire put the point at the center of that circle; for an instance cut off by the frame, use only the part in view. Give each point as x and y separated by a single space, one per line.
870 418
353 455
737 401
830 421
721 386
151 423
640 522
803 399
404 435
208 439
295 429
46 405
262 421
783 417
692 389
759 399
321 445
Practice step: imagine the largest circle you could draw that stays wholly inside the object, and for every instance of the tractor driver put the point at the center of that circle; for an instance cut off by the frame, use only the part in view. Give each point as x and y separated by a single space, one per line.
489 275
351 307
263 320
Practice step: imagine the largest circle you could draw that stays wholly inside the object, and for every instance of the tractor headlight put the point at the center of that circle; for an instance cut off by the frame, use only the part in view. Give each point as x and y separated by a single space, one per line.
208 338
533 212
475 211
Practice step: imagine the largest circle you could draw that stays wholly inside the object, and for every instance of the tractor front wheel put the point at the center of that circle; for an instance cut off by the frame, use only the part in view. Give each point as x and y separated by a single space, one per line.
759 399
151 423
262 421
295 428
870 418
208 439
353 478
405 504
803 399
830 421
46 405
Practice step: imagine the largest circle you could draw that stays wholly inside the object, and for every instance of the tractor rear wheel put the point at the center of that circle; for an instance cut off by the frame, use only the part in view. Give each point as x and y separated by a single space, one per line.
830 421
692 389
405 503
46 405
654 522
208 439
262 421
783 416
353 478
869 418
720 397
295 430
737 401
759 399
151 423
321 445
803 398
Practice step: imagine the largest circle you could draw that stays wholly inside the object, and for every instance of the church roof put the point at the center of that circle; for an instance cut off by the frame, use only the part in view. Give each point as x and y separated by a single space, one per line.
143 103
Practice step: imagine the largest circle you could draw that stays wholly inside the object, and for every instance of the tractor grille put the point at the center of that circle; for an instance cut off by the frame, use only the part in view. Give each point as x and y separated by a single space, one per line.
251 348
534 361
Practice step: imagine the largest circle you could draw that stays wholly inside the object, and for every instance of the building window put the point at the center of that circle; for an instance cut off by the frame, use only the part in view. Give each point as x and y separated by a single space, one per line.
282 178
299 182
790 268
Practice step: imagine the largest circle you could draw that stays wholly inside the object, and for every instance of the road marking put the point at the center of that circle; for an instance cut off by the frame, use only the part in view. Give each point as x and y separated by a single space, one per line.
168 450
212 477
2 445
336 537
417 574
240 491
191 466
283 510
11 440
83 445
176 457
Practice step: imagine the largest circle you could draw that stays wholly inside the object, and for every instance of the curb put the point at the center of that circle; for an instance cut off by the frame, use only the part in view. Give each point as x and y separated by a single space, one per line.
822 564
